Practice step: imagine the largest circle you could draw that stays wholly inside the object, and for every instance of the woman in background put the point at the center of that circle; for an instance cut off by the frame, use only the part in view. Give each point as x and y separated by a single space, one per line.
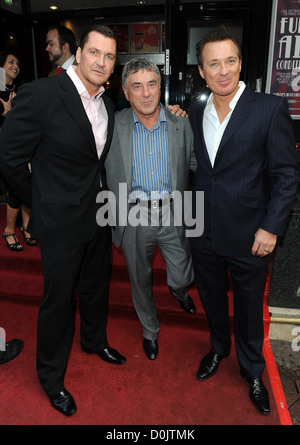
9 71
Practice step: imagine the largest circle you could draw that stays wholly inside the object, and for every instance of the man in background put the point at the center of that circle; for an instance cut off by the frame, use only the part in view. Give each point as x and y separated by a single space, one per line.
61 48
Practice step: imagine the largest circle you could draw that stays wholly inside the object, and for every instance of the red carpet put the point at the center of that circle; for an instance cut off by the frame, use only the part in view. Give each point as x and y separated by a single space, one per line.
141 392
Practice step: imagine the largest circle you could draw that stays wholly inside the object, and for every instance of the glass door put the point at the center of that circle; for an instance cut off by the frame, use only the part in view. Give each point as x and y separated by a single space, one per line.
248 20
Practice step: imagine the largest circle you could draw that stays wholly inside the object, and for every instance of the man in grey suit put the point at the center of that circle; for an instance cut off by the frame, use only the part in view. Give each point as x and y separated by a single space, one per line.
150 155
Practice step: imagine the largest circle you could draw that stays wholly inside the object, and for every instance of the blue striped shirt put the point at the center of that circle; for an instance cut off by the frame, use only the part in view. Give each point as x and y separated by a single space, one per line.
151 178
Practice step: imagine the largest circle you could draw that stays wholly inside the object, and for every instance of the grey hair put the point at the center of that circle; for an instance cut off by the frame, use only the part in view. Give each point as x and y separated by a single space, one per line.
135 65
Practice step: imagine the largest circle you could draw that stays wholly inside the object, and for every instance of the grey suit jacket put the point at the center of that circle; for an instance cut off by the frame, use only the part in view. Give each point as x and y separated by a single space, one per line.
119 161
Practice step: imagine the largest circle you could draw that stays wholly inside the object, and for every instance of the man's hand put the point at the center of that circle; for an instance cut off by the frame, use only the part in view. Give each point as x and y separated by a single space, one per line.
264 243
175 109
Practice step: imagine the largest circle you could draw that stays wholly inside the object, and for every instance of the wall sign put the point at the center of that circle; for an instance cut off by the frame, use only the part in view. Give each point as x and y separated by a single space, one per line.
284 54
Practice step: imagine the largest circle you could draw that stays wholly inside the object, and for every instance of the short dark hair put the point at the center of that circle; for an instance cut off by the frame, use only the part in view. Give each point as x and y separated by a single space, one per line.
102 29
216 35
65 35
5 54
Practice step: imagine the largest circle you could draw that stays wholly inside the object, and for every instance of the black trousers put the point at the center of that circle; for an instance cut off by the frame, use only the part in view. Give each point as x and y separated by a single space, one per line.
85 269
248 275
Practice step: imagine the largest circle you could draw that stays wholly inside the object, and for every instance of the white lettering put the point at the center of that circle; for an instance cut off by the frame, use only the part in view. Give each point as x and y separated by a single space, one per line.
188 217
2 339
127 435
167 435
138 214
296 341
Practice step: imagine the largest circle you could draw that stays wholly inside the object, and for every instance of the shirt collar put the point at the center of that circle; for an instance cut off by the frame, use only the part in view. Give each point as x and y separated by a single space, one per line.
161 117
68 62
71 71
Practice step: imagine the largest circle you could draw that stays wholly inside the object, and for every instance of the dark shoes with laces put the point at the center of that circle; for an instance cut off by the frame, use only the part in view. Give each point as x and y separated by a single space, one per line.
209 365
185 302
64 403
151 348
257 391
109 355
188 305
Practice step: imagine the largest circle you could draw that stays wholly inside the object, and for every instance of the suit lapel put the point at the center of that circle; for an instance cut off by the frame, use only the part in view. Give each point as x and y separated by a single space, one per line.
200 129
243 107
110 127
197 119
173 145
74 105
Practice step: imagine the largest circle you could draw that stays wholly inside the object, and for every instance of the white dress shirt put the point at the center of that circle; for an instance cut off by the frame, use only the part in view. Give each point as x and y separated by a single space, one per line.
68 62
213 130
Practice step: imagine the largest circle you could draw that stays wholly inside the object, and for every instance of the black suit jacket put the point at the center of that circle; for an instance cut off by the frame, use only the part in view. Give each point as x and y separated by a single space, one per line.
49 128
255 176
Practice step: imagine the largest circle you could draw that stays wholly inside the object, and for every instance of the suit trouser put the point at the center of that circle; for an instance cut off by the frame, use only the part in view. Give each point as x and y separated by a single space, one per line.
248 276
138 246
87 269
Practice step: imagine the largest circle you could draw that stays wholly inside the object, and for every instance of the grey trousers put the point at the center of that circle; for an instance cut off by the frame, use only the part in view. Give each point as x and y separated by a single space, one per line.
138 246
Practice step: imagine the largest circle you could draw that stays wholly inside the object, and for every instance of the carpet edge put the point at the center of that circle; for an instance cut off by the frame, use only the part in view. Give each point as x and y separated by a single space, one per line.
281 404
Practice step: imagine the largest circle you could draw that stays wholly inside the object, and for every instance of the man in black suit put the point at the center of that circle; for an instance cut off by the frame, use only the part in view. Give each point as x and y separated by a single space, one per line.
63 125
247 168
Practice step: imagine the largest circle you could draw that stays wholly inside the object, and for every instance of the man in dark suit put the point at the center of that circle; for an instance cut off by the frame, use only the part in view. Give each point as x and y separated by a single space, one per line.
63 125
247 169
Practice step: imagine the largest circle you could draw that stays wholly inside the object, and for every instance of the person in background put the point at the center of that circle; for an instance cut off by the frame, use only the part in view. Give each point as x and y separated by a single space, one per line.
151 152
247 168
61 48
65 125
9 71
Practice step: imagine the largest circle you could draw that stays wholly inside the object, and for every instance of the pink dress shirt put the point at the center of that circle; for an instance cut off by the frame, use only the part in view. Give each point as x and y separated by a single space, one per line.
95 109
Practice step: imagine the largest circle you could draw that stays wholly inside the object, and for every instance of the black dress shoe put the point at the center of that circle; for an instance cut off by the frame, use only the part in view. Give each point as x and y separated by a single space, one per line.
64 403
150 348
12 350
258 393
188 305
209 365
110 355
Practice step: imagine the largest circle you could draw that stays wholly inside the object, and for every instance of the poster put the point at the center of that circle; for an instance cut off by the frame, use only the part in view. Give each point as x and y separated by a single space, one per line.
122 35
145 38
284 56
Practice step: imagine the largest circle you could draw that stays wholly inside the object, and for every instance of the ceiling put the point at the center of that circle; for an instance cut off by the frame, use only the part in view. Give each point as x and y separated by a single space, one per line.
39 6
43 5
